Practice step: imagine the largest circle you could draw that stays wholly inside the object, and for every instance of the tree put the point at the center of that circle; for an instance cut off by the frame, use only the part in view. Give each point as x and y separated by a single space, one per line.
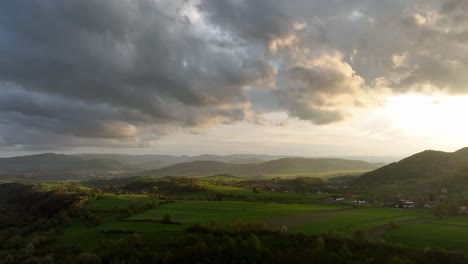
284 230
89 258
9 259
439 211
254 243
167 219
155 191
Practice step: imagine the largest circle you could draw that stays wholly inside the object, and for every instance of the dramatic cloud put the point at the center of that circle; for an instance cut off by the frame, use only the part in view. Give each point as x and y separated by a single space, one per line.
318 89
105 69
125 72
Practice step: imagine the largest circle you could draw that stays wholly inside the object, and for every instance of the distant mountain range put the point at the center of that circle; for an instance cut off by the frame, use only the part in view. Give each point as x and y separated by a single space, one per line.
427 170
59 166
281 166
150 162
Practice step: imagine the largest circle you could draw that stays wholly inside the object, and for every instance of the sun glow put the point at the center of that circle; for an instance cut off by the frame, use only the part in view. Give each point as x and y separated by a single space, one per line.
440 119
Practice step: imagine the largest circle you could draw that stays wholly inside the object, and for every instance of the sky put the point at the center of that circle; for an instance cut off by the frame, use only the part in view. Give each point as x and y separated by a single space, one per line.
299 77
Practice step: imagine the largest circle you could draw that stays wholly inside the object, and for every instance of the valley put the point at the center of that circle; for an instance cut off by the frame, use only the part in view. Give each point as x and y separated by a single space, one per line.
279 200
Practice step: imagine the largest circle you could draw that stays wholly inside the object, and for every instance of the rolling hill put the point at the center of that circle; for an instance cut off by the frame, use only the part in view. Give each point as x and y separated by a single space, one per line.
151 162
427 169
61 165
298 166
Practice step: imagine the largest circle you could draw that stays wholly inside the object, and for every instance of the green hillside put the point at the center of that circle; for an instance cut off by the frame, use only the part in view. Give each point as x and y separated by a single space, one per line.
35 163
58 164
99 165
285 166
429 168
152 162
198 168
309 165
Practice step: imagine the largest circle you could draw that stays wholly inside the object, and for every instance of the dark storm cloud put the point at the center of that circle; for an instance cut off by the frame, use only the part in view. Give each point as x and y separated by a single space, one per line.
96 72
260 20
87 66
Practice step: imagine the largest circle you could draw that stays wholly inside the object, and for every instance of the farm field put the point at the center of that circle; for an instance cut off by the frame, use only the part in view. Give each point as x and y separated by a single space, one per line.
185 213
111 202
351 220
190 212
262 195
414 228
449 233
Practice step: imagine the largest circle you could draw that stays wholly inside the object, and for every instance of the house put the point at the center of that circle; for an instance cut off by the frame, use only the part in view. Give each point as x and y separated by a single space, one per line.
337 197
405 203
408 204
429 205
463 209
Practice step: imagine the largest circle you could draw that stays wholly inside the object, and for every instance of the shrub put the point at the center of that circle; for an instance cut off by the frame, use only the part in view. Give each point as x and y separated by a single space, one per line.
89 258
167 219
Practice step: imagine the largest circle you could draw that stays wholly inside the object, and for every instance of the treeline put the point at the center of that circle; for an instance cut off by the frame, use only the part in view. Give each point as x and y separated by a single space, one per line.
29 219
168 185
22 205
176 185
253 244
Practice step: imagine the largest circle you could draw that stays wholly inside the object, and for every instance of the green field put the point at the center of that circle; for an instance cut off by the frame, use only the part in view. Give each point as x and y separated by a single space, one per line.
262 195
414 228
365 219
185 213
110 202
449 233
190 212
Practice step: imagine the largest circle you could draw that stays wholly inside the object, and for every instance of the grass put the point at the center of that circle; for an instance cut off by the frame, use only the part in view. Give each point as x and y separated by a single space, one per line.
449 233
264 195
353 220
65 186
88 238
300 215
185 212
111 201
427 231
190 212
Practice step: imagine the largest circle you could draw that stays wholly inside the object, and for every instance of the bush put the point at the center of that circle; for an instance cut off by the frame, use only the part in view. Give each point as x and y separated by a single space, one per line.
89 258
167 219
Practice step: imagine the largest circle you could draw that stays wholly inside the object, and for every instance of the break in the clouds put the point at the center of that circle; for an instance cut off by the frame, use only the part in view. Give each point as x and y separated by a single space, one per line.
126 72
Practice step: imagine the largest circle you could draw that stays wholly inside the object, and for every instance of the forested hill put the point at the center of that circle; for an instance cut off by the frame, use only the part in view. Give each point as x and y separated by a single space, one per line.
52 166
274 167
429 167
58 164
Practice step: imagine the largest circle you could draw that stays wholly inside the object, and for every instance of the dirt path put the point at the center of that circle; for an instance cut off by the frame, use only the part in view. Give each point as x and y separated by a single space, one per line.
444 224
377 232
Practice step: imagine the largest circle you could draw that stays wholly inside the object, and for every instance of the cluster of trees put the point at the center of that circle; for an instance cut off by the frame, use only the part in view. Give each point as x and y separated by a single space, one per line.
206 244
298 184
136 206
29 219
165 186
39 215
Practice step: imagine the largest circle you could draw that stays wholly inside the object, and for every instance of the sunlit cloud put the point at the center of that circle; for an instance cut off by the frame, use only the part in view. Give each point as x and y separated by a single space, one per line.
147 74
